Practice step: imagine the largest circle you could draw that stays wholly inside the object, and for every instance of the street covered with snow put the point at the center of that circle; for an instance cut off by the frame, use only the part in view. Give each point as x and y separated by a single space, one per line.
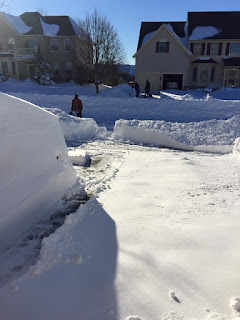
159 236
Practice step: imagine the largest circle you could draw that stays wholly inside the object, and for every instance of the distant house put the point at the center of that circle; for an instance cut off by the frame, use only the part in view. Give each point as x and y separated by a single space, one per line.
202 51
20 36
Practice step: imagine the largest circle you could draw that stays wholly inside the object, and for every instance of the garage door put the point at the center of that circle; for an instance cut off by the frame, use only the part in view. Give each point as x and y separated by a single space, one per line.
172 81
153 78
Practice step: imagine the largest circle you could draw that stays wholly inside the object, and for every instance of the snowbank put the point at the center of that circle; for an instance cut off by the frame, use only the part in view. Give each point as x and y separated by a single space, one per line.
34 165
208 136
78 129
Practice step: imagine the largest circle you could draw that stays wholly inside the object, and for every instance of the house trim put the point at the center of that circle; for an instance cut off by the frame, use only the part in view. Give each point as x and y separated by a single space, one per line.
171 33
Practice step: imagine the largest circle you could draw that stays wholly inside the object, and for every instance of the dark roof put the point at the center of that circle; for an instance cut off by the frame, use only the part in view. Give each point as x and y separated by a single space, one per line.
147 27
227 21
33 20
204 61
231 62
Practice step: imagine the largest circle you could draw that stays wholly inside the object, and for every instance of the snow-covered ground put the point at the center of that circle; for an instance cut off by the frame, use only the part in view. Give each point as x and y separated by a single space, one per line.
158 238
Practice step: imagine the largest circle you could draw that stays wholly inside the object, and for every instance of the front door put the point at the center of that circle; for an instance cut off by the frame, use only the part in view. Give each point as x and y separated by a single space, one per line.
232 77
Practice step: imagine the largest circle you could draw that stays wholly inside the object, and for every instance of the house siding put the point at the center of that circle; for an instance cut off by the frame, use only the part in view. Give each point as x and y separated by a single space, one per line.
153 65
61 57
200 65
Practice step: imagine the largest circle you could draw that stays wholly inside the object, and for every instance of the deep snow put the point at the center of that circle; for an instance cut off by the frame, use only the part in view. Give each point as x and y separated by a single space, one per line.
34 165
158 238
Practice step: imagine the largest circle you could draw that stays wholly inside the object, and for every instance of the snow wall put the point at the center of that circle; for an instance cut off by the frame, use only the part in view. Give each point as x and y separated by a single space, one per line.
35 170
133 131
78 129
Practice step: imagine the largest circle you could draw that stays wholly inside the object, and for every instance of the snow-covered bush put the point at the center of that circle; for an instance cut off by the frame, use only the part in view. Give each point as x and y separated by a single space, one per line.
3 77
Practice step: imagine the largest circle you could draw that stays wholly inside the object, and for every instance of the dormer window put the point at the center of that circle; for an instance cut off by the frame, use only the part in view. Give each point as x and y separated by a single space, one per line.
162 47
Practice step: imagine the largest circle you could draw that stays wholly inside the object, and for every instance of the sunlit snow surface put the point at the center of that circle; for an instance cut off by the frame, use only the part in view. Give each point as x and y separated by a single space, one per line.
158 238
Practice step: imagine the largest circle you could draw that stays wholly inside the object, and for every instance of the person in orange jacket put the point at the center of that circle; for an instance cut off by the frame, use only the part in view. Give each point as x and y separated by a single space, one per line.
77 106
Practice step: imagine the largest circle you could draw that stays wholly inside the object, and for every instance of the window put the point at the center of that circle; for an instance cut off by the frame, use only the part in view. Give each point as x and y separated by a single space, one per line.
30 44
0 46
67 45
56 68
54 45
4 68
214 49
198 49
11 43
204 74
13 68
212 74
162 47
69 68
234 48
194 78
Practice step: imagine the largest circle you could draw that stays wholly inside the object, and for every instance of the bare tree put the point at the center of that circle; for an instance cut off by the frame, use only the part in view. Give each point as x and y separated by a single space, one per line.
103 48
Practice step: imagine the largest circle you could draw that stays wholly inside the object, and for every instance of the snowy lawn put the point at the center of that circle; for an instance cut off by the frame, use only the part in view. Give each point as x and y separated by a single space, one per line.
114 104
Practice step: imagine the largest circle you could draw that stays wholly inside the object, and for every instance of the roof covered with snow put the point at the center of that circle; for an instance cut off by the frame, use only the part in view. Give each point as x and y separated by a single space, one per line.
214 25
149 28
199 25
33 23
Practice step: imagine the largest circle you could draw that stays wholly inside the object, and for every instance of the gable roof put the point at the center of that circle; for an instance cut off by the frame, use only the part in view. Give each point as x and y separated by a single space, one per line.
149 27
226 22
33 23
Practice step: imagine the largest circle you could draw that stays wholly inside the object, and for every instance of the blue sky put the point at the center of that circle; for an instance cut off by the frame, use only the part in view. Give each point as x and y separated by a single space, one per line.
125 15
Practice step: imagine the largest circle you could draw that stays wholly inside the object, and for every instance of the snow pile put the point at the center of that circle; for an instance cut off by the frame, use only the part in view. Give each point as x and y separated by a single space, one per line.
199 33
17 23
212 132
50 30
134 134
236 147
79 157
235 304
78 129
34 165
120 91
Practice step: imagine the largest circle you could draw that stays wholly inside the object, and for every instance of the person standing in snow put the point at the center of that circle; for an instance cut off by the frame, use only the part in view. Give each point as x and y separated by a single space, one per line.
137 89
147 89
77 106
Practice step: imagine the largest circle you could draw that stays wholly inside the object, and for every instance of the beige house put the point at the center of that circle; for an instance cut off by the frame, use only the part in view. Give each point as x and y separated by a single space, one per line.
20 36
203 51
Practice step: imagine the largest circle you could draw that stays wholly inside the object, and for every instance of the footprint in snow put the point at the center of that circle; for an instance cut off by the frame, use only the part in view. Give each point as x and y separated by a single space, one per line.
133 318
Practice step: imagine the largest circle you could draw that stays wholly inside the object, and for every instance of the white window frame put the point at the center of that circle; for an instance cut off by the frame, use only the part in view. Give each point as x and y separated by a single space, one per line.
56 40
234 48
69 46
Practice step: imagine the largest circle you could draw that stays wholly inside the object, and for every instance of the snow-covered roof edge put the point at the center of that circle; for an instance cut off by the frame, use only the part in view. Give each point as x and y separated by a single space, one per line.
169 28
17 23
